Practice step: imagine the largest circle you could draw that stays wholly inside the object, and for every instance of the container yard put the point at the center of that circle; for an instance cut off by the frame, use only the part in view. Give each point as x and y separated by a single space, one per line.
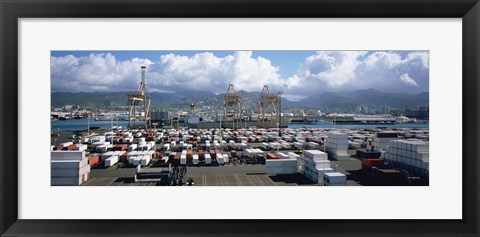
241 157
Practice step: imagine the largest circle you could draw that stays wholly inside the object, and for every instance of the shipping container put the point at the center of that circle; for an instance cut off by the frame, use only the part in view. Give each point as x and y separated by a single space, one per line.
189 155
367 163
93 160
271 156
111 161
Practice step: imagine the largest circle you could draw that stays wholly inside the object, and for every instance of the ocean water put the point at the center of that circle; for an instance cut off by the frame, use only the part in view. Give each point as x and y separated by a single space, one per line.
82 124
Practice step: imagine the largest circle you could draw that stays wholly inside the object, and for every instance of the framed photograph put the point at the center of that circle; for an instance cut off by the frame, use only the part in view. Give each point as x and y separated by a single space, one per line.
239 118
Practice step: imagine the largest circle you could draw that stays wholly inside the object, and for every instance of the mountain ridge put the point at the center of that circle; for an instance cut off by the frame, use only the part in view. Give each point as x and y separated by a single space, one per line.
338 101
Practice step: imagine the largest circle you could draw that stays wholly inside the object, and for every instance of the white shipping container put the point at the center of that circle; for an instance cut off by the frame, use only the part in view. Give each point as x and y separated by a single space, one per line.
208 159
334 178
220 159
70 172
106 155
66 181
183 159
67 155
68 164
65 144
195 159
112 160
132 147
81 147
137 160
145 160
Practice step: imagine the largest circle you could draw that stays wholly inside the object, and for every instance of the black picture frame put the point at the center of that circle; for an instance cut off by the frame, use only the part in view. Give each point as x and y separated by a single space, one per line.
11 11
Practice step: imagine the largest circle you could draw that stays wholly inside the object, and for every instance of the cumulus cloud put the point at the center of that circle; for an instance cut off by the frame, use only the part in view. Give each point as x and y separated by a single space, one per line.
408 80
322 71
205 71
202 72
352 70
334 69
96 72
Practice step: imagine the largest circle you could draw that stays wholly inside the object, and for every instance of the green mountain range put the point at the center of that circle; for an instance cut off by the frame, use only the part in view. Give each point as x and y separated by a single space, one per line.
338 101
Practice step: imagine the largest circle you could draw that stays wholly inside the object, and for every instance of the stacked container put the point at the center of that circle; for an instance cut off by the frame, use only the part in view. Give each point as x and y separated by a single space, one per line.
283 165
298 158
69 168
315 164
382 140
336 146
334 179
411 155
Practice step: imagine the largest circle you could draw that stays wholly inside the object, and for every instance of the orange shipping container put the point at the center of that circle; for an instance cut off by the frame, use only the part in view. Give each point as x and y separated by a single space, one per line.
93 160
70 148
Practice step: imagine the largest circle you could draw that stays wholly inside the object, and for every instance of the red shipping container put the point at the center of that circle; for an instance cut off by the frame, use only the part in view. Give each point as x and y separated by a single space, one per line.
271 156
190 155
70 148
120 147
234 153
366 163
93 160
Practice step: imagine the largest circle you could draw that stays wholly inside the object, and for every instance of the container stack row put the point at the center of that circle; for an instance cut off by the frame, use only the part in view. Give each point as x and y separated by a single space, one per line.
411 155
69 168
336 145
315 164
381 140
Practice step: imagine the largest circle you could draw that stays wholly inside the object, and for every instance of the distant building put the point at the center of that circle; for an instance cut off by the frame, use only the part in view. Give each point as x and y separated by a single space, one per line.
417 114
68 107
386 109
365 110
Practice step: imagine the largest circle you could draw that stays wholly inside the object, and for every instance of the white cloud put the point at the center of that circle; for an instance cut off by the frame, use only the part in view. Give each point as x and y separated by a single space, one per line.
96 72
202 71
334 68
352 70
320 72
408 80
205 71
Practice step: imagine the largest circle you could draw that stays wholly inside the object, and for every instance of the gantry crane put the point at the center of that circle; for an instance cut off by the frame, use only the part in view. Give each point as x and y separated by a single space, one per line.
268 102
139 98
232 106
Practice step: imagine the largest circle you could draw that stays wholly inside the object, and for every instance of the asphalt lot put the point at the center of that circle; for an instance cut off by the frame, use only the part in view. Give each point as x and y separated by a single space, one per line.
227 175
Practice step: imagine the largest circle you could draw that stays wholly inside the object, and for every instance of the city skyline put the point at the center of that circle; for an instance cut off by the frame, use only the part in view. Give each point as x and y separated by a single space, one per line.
297 74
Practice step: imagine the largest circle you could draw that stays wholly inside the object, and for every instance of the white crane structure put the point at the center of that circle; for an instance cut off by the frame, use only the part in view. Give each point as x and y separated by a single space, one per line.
139 100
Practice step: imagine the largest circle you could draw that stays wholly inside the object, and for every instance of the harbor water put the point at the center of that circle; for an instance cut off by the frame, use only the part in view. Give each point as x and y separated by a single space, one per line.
82 124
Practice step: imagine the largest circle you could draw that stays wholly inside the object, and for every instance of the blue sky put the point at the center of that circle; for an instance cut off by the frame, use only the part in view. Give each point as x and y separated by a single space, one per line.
296 73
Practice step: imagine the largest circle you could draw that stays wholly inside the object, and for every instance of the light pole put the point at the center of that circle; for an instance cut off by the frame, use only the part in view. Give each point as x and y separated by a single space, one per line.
155 138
